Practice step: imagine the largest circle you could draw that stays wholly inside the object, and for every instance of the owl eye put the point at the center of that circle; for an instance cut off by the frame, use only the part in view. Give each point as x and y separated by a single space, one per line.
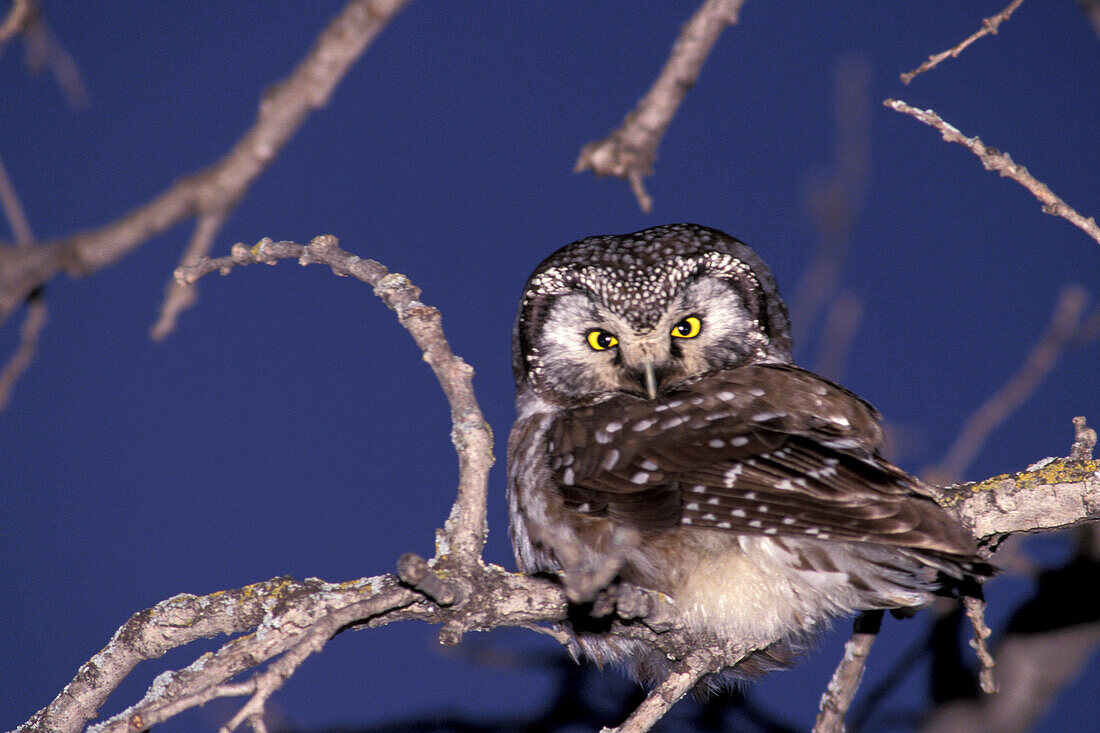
688 328
601 340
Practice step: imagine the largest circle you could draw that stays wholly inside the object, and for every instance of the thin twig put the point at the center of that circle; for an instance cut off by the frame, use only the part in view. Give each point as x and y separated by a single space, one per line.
44 50
989 27
660 700
1091 8
994 160
1084 440
20 14
13 210
37 311
849 673
1064 326
179 297
282 111
37 317
975 613
631 149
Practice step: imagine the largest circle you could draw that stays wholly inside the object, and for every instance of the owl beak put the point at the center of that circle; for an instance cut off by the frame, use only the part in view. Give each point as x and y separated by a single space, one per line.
649 374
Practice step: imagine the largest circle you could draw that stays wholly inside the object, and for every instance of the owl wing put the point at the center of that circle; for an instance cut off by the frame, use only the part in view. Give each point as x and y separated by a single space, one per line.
760 449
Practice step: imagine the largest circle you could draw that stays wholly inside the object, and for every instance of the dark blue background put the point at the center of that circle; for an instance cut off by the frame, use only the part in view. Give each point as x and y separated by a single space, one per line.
289 426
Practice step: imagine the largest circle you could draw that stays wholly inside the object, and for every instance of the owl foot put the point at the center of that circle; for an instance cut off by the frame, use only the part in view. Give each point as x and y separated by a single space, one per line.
631 602
584 581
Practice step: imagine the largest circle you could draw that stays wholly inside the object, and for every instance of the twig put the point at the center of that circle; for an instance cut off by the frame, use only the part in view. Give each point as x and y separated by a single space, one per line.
994 160
631 149
989 27
20 14
849 673
679 681
1084 440
179 297
13 209
282 111
37 311
37 317
1065 325
44 50
1091 8
464 532
975 613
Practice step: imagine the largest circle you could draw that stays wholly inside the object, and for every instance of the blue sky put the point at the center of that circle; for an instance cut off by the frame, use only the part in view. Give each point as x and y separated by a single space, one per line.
288 426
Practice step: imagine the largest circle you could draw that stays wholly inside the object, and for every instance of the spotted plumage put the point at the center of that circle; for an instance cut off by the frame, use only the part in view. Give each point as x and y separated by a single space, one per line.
655 393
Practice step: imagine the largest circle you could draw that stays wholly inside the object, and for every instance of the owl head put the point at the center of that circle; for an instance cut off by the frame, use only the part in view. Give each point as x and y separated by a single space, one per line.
643 313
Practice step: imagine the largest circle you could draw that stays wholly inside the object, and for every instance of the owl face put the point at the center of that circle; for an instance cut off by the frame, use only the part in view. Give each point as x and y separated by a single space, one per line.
644 313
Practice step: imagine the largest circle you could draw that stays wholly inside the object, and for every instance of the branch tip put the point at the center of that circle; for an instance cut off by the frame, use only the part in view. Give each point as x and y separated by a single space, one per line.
1084 441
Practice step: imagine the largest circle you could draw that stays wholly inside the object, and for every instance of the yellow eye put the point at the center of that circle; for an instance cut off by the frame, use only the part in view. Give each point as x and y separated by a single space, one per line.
688 328
601 340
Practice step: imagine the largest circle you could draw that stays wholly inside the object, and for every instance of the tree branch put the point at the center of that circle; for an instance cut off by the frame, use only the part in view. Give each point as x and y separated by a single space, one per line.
1052 494
20 14
678 683
989 27
218 188
848 675
631 149
994 160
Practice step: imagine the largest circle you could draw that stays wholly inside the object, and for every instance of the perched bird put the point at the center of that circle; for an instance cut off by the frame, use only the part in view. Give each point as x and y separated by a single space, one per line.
662 431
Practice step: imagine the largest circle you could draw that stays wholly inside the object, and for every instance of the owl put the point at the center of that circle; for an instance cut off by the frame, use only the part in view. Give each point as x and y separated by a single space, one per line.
663 432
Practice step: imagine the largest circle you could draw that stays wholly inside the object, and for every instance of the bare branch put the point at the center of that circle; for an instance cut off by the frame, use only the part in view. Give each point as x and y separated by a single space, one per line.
1091 8
841 325
37 317
834 201
660 700
994 160
989 27
975 613
37 312
45 51
179 297
13 209
21 13
631 149
293 635
849 673
282 111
